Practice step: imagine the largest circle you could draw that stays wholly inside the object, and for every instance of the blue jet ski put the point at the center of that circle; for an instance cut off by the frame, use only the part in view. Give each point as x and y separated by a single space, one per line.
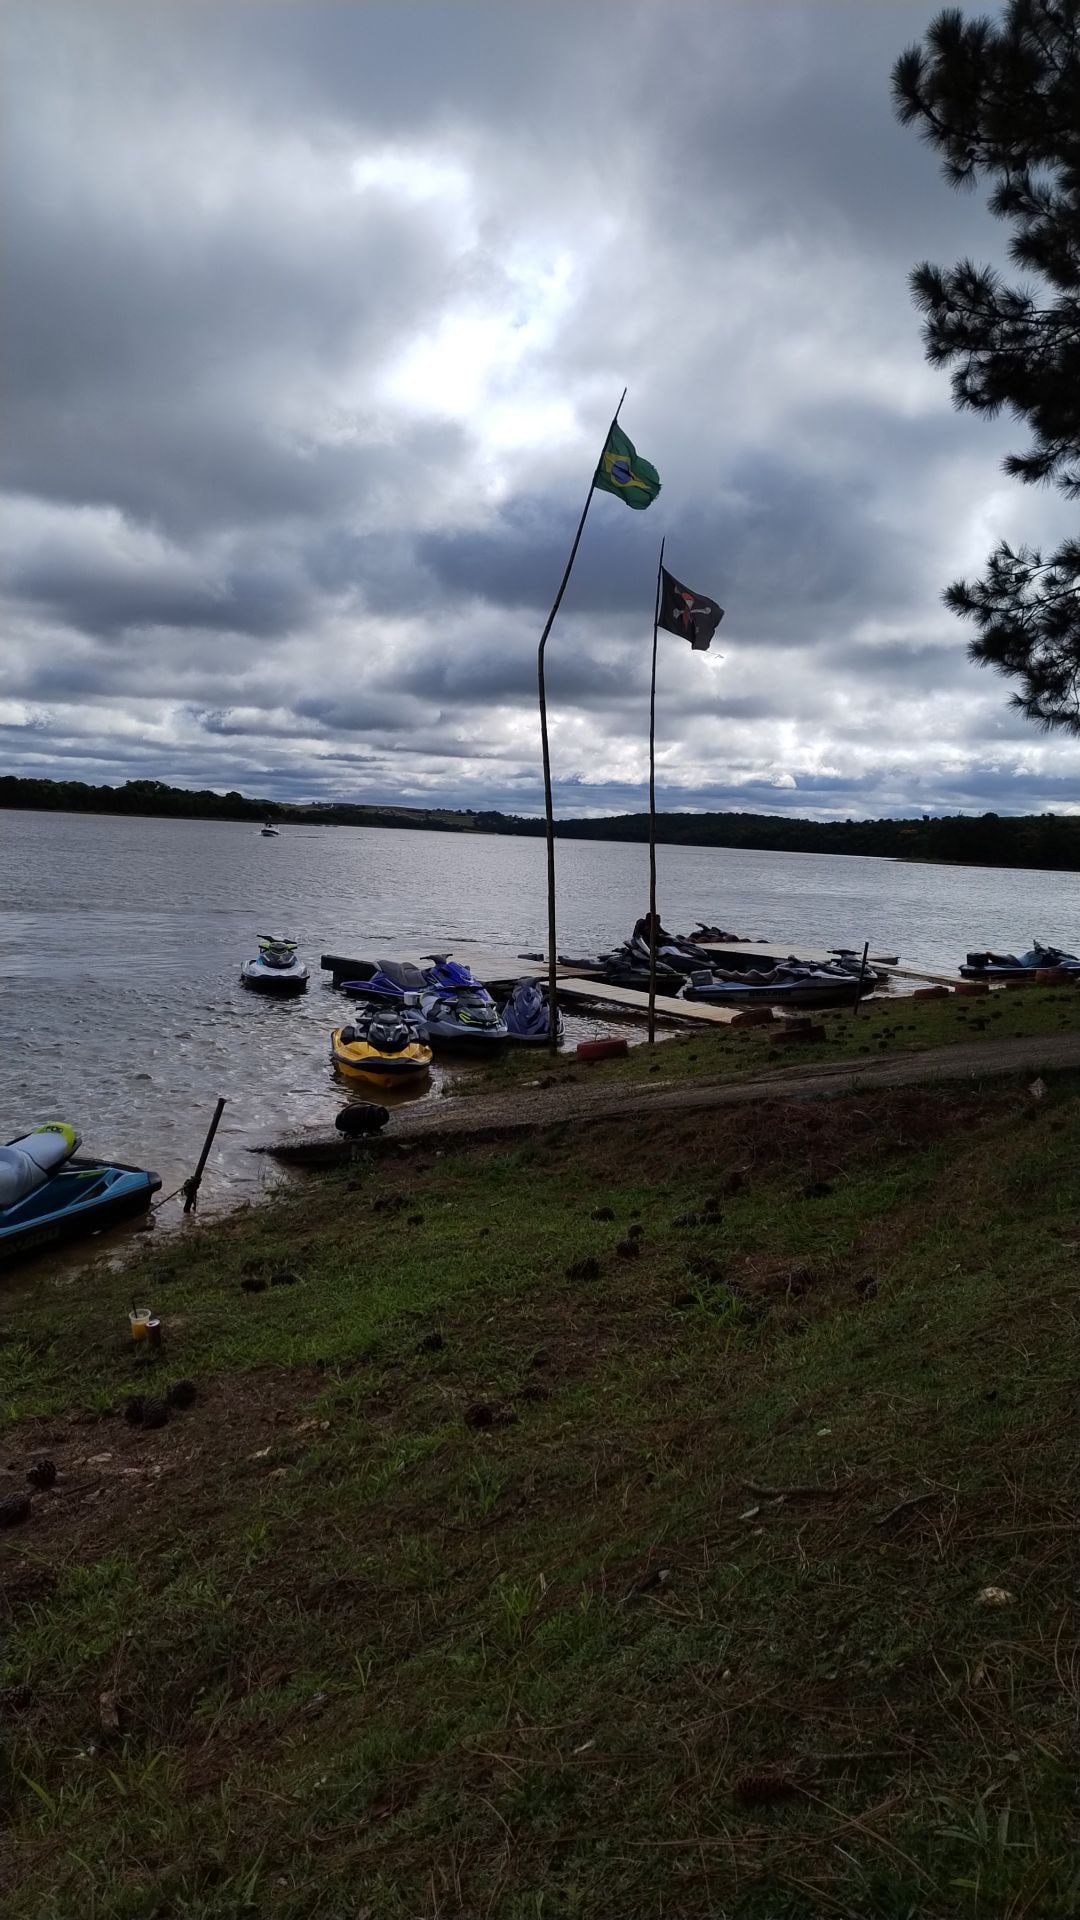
453 976
48 1195
528 1022
459 1012
385 981
446 998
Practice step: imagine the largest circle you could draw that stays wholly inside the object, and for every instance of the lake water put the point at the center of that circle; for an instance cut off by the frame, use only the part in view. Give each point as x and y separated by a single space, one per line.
121 942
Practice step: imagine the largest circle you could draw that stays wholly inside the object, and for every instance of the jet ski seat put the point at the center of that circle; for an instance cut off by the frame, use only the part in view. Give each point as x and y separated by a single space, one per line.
404 974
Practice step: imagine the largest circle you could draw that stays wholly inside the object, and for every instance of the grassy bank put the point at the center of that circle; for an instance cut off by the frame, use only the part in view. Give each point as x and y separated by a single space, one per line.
889 1024
601 1527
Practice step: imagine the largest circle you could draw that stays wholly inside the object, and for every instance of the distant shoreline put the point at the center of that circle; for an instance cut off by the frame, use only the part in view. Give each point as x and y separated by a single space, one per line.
1046 842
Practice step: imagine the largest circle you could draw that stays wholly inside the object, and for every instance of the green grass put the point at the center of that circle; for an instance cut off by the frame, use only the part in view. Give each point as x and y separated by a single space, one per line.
369 1656
891 1024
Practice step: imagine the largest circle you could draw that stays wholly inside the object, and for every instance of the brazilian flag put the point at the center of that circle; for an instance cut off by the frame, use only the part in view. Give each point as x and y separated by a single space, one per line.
621 472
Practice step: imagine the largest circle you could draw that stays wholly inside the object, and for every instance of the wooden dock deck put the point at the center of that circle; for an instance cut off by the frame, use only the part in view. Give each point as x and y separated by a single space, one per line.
635 1002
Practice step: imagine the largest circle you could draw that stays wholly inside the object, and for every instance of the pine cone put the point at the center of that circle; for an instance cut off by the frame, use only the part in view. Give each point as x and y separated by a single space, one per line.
42 1473
183 1393
154 1413
14 1509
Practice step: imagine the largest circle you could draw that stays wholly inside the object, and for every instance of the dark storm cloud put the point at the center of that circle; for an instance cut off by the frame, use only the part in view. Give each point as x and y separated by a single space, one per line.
82 590
313 318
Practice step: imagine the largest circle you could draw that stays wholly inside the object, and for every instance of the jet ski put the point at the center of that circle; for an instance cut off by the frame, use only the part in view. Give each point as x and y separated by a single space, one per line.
458 1011
470 1022
453 976
47 1194
526 1015
385 982
628 966
789 983
278 968
1011 966
269 832
672 952
705 935
382 1046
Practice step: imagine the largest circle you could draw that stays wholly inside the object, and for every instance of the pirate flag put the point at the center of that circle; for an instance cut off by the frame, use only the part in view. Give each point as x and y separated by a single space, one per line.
689 614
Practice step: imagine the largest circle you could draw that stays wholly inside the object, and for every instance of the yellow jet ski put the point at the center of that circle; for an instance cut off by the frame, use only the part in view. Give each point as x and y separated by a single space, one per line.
382 1047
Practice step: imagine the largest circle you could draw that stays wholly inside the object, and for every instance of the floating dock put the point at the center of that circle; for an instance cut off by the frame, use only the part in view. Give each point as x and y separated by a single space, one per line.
499 971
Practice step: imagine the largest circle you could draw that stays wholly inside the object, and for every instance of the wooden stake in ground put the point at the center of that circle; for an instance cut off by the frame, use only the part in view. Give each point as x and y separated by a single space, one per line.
652 806
862 977
190 1188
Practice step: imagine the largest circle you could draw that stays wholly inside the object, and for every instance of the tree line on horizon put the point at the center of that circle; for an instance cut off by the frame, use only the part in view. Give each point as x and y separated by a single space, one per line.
978 840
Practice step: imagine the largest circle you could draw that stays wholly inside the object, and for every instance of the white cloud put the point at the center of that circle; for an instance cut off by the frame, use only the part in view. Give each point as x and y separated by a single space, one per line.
315 320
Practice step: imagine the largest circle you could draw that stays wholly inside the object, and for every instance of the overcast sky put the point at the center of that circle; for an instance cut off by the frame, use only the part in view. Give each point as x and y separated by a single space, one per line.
313 320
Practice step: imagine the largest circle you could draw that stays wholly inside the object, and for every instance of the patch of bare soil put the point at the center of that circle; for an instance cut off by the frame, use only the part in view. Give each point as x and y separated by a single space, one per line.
116 1479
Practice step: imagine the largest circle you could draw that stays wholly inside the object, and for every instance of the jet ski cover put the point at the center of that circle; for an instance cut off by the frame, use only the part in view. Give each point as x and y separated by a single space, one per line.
27 1163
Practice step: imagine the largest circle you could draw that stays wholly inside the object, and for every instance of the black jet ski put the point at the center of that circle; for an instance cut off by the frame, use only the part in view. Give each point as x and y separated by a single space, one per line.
705 935
1011 966
628 966
790 983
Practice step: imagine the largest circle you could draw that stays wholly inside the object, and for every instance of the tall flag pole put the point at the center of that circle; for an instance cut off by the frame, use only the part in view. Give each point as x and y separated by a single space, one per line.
695 617
652 804
618 471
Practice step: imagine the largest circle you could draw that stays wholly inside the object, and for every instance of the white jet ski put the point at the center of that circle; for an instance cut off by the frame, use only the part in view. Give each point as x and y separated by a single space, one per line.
278 968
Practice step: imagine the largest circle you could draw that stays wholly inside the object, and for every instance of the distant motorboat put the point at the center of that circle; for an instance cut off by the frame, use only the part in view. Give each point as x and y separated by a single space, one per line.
269 832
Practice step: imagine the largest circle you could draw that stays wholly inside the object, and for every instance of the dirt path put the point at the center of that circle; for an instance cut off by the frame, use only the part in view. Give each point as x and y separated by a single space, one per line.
528 1107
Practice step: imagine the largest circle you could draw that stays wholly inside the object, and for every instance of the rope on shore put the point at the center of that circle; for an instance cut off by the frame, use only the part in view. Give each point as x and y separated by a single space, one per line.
166 1197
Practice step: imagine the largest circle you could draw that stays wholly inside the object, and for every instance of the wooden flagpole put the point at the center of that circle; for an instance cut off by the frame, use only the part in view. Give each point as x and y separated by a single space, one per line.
652 807
549 814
